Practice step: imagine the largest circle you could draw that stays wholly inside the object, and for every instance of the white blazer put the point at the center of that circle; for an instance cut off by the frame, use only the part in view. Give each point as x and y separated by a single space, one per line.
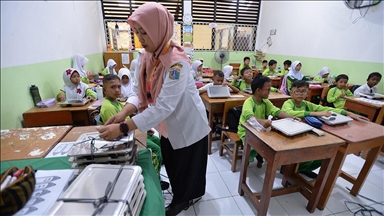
180 105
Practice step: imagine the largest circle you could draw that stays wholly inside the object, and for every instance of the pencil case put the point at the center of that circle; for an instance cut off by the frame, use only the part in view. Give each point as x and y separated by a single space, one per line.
16 194
313 121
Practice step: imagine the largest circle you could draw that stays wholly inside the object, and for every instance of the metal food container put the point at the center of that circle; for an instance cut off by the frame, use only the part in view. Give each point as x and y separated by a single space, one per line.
127 194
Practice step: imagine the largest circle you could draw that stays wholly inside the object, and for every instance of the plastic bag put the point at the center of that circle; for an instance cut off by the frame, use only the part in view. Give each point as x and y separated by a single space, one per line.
255 124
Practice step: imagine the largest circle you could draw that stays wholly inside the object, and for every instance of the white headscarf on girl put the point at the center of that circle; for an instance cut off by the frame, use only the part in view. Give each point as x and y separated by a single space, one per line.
78 64
72 91
227 71
293 73
324 70
126 89
194 67
110 68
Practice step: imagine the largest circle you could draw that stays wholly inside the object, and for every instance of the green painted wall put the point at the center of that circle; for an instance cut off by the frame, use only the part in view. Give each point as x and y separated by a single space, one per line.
15 83
357 71
234 57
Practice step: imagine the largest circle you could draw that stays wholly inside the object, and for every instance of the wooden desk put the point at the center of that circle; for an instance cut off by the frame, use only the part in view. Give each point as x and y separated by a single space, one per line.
215 106
278 99
26 143
92 84
315 91
207 75
359 136
56 115
278 149
275 81
75 133
374 112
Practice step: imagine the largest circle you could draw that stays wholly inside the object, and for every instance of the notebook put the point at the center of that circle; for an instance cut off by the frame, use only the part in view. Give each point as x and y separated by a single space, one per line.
78 102
335 119
290 127
217 91
372 95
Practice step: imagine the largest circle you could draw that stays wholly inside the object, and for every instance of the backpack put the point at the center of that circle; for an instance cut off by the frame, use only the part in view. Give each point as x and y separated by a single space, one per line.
233 118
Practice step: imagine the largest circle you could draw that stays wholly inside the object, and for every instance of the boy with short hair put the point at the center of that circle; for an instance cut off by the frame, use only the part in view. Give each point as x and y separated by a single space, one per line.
287 65
245 63
271 70
299 107
264 65
370 87
244 80
218 79
336 95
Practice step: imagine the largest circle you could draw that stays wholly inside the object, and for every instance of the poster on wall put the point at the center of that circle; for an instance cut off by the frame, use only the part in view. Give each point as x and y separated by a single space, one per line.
188 39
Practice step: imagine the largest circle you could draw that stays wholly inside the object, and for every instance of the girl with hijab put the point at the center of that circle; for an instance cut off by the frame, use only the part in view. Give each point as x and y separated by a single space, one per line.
126 82
110 69
79 61
293 75
227 70
73 88
322 75
168 100
196 70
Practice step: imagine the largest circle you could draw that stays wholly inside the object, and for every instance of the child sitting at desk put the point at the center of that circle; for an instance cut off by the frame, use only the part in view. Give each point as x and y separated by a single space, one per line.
79 61
110 69
110 107
218 79
287 65
264 65
370 87
126 82
244 80
258 106
271 70
322 75
336 95
293 75
299 107
74 88
246 61
197 70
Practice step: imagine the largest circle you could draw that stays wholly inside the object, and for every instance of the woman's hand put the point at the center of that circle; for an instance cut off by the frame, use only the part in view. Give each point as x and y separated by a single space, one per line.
116 119
109 132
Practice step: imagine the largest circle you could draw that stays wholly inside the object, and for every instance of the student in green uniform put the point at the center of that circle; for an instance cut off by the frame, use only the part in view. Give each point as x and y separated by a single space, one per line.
258 106
293 75
244 80
322 75
337 94
270 71
218 79
110 69
287 65
245 63
299 107
110 107
73 88
264 65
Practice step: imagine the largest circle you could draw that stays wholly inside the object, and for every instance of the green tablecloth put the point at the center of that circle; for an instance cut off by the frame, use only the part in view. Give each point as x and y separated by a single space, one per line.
154 202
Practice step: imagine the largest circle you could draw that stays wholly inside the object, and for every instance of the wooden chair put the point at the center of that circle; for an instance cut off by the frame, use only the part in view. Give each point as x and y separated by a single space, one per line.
235 69
230 138
323 99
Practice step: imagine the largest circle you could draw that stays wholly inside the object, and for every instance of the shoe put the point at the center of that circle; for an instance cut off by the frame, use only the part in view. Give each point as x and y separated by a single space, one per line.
260 161
164 185
309 174
174 209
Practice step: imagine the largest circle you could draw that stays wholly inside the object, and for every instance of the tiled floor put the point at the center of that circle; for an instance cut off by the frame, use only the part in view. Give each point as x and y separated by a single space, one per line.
222 198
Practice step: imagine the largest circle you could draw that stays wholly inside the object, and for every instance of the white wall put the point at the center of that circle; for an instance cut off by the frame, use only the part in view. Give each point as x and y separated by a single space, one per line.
41 31
322 29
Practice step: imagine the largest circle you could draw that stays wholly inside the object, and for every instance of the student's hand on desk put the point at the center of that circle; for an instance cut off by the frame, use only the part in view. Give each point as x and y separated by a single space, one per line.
90 98
116 119
265 123
325 113
109 132
357 117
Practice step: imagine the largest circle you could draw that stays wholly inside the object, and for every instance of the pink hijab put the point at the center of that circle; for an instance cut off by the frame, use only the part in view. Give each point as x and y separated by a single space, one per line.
157 22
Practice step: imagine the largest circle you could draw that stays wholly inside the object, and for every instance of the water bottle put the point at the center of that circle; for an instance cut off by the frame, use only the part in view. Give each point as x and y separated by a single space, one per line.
99 92
279 69
35 94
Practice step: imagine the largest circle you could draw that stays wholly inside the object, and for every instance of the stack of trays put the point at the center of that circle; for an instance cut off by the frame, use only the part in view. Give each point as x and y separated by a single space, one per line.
121 152
126 197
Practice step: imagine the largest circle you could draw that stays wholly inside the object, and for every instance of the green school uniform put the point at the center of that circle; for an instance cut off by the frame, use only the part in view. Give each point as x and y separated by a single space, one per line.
85 80
269 72
301 111
305 108
110 108
261 111
105 72
240 84
318 78
242 66
290 80
88 92
284 72
334 93
273 89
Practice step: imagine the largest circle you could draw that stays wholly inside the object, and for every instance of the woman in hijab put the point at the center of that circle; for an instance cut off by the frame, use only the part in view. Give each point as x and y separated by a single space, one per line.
110 69
227 70
196 70
293 75
79 61
322 75
169 101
